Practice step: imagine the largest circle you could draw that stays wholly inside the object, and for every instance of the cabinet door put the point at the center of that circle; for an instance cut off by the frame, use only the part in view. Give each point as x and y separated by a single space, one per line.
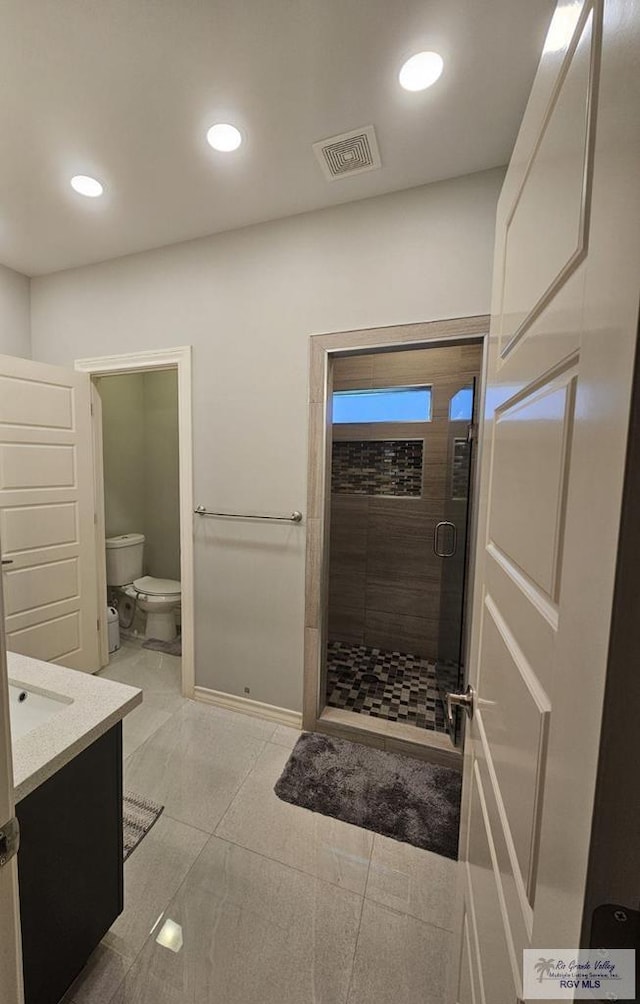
10 953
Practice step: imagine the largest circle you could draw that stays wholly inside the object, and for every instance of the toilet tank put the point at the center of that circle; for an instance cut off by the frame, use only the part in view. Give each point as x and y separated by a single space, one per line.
124 558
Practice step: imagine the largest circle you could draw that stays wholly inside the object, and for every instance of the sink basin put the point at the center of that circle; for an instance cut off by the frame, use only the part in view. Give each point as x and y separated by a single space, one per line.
28 708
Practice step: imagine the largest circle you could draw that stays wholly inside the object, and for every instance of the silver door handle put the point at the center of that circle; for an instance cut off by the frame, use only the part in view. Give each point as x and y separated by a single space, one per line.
437 533
465 701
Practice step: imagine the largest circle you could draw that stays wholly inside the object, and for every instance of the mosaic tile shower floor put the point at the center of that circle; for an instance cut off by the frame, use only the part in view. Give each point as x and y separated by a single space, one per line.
391 685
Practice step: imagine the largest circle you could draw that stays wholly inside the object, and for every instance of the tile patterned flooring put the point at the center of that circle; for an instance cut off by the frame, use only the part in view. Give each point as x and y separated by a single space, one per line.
269 903
390 685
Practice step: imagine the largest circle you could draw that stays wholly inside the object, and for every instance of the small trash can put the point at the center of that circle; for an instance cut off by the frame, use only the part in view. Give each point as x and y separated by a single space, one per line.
113 629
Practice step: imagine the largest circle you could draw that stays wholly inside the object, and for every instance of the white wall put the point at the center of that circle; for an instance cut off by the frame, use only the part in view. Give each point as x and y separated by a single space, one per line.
15 327
140 445
247 301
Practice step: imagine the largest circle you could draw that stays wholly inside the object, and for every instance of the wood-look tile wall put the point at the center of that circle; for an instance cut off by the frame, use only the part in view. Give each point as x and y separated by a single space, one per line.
385 580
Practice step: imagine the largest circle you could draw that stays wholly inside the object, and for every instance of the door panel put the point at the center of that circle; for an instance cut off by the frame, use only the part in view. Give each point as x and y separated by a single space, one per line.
33 403
498 962
515 717
33 527
530 441
31 466
47 513
38 587
546 232
562 346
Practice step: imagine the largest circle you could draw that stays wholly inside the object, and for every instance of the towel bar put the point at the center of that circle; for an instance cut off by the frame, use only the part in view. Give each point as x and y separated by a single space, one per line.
294 517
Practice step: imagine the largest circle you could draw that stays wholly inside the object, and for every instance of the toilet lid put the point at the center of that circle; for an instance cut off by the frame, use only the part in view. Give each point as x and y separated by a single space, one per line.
157 587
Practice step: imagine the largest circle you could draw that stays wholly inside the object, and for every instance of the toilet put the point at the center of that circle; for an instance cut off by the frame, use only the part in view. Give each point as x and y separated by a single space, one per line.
159 599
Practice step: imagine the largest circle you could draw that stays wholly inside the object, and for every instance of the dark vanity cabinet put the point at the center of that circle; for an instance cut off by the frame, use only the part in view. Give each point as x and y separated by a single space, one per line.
70 866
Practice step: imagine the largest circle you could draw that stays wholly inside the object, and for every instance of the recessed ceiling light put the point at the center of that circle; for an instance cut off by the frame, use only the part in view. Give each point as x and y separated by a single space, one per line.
84 185
224 137
421 71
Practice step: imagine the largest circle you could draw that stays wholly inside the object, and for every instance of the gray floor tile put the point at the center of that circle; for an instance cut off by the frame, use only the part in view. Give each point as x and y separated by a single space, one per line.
253 932
158 676
327 848
100 978
257 728
140 724
285 736
152 875
194 765
399 960
413 881
155 673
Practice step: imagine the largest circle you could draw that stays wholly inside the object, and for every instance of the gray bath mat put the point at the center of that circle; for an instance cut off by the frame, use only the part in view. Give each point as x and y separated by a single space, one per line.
394 795
139 814
168 647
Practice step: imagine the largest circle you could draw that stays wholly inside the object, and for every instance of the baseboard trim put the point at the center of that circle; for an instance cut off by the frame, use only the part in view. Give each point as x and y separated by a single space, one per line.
283 716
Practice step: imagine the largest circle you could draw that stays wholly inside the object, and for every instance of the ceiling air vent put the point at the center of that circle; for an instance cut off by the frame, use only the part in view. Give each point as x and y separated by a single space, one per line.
351 153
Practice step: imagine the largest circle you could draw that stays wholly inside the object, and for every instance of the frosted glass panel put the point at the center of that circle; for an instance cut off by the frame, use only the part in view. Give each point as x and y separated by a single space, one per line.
461 405
398 404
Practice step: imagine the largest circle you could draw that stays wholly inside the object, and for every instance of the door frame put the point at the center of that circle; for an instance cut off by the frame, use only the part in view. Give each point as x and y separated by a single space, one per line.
145 362
323 350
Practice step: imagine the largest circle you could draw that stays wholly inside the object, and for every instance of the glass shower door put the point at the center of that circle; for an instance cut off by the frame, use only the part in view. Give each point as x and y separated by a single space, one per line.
450 542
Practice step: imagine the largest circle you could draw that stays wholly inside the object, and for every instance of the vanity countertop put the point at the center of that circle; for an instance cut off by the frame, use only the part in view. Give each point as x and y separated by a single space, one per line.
92 707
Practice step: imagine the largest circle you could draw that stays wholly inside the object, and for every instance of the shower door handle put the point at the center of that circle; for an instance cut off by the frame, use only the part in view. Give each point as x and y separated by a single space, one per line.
465 701
439 536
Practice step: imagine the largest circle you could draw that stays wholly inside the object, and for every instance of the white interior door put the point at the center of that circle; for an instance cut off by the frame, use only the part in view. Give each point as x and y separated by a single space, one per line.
10 949
563 339
47 513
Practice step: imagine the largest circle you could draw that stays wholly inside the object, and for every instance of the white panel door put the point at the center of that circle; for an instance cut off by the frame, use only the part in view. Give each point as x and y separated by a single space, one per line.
562 348
47 513
10 947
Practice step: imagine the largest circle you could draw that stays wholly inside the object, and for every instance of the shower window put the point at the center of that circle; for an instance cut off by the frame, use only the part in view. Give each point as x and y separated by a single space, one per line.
461 405
389 404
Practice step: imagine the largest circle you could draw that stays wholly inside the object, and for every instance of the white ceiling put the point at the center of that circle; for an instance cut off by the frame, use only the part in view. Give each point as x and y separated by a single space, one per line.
125 90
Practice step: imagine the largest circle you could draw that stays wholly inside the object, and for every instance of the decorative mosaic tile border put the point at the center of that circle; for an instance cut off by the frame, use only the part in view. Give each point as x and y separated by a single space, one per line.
377 467
460 469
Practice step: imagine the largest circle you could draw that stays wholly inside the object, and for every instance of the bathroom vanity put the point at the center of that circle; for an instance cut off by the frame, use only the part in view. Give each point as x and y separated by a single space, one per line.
67 759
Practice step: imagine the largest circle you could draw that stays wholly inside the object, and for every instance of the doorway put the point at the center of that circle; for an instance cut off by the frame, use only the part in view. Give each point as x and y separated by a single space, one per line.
163 380
392 462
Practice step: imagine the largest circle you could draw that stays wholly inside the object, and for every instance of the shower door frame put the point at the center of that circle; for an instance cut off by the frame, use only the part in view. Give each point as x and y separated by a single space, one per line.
317 716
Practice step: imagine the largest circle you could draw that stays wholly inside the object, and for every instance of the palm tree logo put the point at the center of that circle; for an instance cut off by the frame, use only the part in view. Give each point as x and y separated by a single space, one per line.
543 967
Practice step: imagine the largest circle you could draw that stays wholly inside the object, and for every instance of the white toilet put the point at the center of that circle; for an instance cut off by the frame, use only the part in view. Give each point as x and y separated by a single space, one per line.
159 599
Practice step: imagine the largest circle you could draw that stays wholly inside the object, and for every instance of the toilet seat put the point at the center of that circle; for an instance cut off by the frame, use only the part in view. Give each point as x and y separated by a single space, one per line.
168 589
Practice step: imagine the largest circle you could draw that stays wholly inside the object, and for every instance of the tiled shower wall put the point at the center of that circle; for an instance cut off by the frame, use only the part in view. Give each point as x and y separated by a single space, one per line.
387 587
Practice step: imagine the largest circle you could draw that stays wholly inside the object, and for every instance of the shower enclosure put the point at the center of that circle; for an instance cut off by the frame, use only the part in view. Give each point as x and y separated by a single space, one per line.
402 458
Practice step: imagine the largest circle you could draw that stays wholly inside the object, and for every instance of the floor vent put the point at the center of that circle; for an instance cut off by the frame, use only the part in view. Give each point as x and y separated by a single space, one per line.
351 153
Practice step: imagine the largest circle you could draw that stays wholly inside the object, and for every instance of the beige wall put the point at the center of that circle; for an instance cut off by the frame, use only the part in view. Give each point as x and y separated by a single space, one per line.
123 446
162 475
15 321
247 302
140 441
385 580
